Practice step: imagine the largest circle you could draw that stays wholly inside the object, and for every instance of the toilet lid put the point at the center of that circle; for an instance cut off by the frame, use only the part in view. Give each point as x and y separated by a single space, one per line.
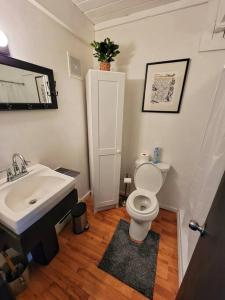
148 177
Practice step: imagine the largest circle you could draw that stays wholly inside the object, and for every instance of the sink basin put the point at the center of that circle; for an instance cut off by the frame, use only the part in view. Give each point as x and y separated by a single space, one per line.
24 201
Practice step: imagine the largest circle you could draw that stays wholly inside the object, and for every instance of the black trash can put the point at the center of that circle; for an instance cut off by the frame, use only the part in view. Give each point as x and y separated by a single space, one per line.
79 216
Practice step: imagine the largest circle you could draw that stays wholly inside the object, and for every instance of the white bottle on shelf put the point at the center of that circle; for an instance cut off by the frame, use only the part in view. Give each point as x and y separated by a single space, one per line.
156 155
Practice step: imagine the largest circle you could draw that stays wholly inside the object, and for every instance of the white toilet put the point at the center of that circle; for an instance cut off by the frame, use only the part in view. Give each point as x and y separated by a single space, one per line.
142 204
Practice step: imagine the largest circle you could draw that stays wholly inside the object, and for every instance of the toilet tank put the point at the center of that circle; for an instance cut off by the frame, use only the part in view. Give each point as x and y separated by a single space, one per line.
164 167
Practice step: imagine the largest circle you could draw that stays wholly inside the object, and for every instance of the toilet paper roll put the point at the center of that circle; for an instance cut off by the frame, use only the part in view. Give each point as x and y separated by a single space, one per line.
127 180
144 157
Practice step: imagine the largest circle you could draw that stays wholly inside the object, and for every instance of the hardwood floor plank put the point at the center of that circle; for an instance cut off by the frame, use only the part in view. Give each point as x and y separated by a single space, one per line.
73 273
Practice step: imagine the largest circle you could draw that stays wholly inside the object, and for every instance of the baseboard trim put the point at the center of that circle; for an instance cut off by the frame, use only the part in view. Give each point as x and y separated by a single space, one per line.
182 246
181 241
103 208
168 207
84 197
179 248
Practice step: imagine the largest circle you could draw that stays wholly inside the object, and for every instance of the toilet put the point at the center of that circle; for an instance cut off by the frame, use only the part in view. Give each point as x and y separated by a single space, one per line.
142 204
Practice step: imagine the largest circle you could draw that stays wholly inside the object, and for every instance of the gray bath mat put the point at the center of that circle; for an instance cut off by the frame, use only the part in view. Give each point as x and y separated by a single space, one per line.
133 264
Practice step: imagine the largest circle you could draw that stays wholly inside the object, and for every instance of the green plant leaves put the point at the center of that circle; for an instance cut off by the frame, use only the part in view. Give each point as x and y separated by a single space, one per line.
105 51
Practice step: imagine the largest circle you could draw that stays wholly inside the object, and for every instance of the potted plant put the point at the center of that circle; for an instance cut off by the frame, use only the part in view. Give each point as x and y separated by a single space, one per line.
105 52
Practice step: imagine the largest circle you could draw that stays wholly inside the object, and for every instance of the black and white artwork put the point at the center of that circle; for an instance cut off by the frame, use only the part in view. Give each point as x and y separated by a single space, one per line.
164 85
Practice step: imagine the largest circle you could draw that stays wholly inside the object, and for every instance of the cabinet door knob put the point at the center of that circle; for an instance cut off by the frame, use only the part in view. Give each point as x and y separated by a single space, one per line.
118 151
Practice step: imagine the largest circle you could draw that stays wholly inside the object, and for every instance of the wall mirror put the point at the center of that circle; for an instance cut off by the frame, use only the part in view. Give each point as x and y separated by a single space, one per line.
25 86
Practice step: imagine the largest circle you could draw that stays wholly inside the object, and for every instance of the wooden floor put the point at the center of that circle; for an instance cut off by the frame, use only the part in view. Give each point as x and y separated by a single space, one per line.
73 273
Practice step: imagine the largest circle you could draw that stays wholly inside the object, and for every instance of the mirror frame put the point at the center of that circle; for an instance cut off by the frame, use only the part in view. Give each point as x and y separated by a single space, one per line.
20 64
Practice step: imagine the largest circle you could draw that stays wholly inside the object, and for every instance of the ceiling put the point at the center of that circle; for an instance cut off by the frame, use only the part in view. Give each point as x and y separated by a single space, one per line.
99 11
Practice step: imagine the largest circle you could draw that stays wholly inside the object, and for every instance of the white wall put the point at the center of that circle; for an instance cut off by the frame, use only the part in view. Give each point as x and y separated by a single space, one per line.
71 16
52 137
167 37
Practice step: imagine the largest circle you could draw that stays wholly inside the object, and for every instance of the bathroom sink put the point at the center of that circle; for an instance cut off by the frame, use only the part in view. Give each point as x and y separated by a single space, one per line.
24 201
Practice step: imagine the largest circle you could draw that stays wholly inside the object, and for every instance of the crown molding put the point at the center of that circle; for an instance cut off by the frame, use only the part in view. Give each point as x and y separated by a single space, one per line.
211 39
57 20
163 9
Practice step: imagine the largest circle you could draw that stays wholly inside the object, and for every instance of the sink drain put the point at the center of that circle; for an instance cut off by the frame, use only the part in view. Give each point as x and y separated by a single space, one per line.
33 201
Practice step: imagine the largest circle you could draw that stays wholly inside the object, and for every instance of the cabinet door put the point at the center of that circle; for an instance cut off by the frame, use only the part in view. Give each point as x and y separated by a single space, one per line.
107 112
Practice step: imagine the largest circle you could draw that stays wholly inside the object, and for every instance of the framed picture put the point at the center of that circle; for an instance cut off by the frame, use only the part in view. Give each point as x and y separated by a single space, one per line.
164 85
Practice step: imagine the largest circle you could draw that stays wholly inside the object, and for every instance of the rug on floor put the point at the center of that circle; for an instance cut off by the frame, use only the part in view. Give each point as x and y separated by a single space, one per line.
133 264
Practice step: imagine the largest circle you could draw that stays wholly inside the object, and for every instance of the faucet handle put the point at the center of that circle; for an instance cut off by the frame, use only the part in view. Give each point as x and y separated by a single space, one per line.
24 166
8 172
3 170
24 169
27 162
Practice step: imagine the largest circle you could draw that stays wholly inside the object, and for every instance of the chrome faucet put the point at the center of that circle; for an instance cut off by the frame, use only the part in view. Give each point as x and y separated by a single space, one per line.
18 172
24 164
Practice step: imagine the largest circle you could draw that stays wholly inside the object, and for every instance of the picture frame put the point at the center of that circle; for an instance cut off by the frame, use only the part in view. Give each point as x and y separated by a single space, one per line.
164 85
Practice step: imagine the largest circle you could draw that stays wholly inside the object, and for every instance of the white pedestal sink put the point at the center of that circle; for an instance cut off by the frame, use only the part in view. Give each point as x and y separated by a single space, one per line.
26 200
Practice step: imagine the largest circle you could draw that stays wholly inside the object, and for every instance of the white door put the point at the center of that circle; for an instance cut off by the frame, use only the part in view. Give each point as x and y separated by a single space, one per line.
107 99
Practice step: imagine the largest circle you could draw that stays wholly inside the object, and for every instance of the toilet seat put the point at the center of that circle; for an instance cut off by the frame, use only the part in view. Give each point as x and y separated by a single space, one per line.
148 180
150 199
142 205
151 210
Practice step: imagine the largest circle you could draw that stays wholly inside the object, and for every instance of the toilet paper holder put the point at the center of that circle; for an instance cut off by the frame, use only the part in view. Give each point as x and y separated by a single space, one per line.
123 197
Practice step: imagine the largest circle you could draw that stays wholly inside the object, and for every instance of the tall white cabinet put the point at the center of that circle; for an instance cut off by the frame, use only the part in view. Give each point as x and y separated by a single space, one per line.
105 100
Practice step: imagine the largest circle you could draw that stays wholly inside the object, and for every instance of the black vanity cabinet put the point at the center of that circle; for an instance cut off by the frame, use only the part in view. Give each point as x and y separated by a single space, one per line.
40 238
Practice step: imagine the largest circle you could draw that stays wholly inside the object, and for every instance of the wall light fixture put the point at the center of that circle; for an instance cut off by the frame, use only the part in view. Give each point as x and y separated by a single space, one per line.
4 49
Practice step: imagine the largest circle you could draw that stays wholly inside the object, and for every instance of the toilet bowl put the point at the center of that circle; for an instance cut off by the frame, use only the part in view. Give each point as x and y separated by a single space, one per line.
142 204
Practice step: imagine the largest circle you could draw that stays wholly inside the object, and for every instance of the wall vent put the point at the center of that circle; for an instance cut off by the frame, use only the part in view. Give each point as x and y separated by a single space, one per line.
74 66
